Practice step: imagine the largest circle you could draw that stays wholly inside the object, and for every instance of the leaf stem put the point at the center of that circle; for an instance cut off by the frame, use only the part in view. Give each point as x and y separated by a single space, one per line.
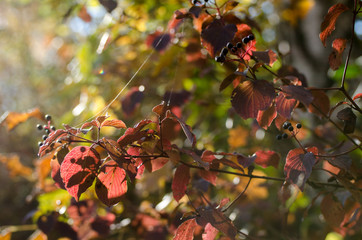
238 197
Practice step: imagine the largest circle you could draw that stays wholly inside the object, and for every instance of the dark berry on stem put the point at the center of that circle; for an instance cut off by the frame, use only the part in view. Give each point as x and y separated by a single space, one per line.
40 144
52 128
299 125
239 45
47 131
285 135
251 37
229 45
48 117
224 51
45 137
245 40
279 137
194 1
290 128
39 127
285 126
220 59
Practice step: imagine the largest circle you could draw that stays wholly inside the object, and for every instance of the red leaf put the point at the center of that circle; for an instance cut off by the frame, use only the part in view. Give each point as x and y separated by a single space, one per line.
332 211
159 41
299 164
267 158
266 117
217 35
349 119
158 163
209 176
328 24
299 93
252 96
335 58
49 144
180 181
84 15
92 123
208 156
187 130
359 95
268 57
133 134
321 101
114 123
210 232
176 98
78 169
111 183
186 230
285 106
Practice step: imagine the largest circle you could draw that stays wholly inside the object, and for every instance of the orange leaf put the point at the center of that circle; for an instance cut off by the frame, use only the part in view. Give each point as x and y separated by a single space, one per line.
329 22
13 119
335 58
114 123
186 230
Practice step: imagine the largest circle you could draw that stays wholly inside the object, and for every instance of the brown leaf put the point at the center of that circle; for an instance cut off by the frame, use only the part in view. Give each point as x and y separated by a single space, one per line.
268 57
332 210
321 101
14 165
349 119
335 58
328 24
84 15
298 93
266 117
252 96
13 119
240 76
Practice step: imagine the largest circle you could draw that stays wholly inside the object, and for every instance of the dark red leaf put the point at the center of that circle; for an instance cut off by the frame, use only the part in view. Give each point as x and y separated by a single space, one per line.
209 176
268 57
187 130
186 230
335 58
349 119
332 210
195 10
132 100
78 169
321 101
299 93
217 219
208 156
159 41
252 96
298 165
55 173
111 183
210 232
158 163
266 117
328 24
267 158
102 224
180 181
239 76
50 143
133 134
109 5
342 162
176 98
245 161
216 35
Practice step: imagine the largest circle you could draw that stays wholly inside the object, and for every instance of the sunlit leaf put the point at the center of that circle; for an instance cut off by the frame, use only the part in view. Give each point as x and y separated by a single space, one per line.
13 119
114 123
266 117
329 22
210 232
111 183
180 181
78 169
335 58
186 230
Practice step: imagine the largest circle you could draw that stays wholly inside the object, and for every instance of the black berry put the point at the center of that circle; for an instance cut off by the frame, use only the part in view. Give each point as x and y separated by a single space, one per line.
229 45
251 37
194 1
285 125
45 137
39 127
48 117
279 137
220 59
224 51
245 40
40 144
47 131
299 125
239 45
285 135
52 128
290 128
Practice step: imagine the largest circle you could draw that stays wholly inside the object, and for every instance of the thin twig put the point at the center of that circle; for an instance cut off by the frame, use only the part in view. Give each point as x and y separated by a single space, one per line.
238 197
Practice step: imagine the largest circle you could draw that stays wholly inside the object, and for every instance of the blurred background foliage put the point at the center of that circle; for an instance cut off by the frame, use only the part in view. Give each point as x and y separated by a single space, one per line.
71 58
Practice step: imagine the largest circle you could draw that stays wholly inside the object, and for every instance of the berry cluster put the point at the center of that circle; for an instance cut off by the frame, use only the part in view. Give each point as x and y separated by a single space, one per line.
47 129
194 2
288 126
233 49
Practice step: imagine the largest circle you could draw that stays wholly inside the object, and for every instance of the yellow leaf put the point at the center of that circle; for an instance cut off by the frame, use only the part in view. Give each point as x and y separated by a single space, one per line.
238 137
